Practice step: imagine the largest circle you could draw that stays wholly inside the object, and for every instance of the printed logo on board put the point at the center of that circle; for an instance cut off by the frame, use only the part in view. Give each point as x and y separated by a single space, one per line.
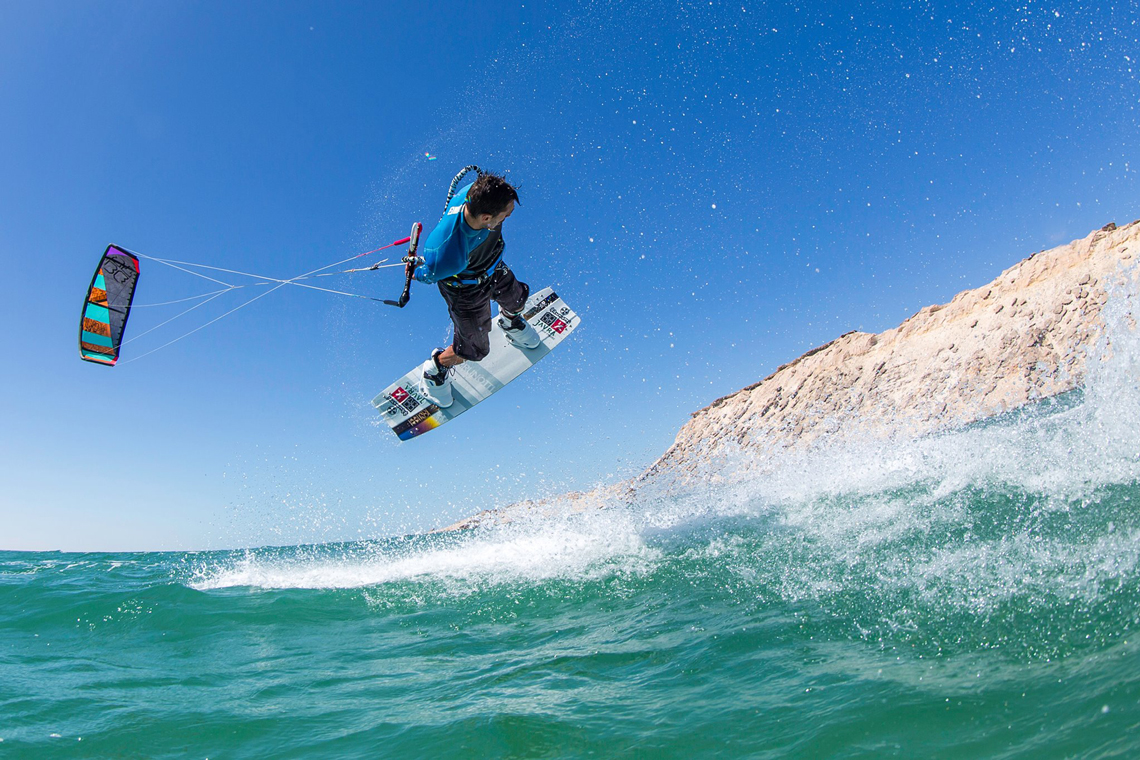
414 420
536 308
555 322
478 377
404 400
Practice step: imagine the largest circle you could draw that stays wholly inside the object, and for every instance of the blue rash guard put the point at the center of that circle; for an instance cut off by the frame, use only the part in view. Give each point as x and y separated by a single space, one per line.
448 246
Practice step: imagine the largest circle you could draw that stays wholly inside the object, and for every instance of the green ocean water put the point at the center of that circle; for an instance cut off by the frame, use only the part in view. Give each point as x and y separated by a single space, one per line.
990 621
972 594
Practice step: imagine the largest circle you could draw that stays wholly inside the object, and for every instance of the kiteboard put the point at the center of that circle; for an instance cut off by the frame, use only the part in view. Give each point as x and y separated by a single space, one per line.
409 413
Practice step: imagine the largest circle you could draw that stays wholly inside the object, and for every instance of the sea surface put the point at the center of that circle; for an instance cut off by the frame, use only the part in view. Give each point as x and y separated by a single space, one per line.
966 595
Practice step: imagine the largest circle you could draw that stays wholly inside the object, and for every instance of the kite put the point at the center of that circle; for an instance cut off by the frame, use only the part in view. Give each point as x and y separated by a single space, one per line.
107 306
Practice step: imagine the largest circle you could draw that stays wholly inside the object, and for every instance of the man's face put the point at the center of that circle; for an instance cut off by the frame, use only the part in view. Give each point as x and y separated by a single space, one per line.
489 222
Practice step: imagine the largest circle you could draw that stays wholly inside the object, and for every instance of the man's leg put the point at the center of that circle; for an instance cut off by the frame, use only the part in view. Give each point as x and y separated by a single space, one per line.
508 291
511 295
470 312
449 358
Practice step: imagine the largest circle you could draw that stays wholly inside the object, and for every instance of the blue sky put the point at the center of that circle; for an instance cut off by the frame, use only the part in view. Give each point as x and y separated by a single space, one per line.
715 187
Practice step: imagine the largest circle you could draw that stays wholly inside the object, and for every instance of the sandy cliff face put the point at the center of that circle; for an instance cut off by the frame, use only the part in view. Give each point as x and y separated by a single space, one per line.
1023 337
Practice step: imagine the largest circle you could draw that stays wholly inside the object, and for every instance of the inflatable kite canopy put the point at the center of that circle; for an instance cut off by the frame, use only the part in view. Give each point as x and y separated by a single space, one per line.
107 306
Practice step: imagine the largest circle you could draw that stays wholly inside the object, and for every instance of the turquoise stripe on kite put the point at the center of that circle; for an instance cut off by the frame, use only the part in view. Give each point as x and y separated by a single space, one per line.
97 340
100 282
98 313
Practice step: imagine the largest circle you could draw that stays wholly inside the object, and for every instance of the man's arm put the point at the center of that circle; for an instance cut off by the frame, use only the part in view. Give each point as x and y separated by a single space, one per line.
442 252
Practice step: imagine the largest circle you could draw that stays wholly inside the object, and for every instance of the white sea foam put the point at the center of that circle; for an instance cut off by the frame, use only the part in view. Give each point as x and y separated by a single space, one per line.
578 548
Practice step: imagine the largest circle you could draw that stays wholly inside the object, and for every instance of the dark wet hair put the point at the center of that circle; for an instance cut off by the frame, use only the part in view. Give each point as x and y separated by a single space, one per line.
490 195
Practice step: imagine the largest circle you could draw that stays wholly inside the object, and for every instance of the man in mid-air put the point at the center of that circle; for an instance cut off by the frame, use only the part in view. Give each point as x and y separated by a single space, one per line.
464 256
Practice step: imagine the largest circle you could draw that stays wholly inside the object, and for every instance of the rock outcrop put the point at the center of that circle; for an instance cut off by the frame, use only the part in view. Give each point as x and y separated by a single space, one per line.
1023 337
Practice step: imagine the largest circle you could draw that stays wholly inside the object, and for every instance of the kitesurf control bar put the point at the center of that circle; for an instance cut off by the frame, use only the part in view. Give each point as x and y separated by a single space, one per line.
410 262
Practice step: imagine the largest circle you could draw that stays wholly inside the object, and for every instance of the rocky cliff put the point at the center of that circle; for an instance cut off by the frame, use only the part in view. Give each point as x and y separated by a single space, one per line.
1023 337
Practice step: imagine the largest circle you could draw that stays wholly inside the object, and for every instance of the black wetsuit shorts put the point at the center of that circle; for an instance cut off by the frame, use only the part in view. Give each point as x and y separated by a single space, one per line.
470 309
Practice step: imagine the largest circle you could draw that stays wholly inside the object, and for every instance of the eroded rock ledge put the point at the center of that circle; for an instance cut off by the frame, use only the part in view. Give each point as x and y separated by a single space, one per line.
1023 337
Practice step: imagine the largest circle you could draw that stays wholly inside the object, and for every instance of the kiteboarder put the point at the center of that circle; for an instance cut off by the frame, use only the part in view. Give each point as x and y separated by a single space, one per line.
463 255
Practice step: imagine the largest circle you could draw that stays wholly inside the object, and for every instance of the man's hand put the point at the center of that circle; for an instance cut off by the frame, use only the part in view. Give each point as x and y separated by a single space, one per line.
410 263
